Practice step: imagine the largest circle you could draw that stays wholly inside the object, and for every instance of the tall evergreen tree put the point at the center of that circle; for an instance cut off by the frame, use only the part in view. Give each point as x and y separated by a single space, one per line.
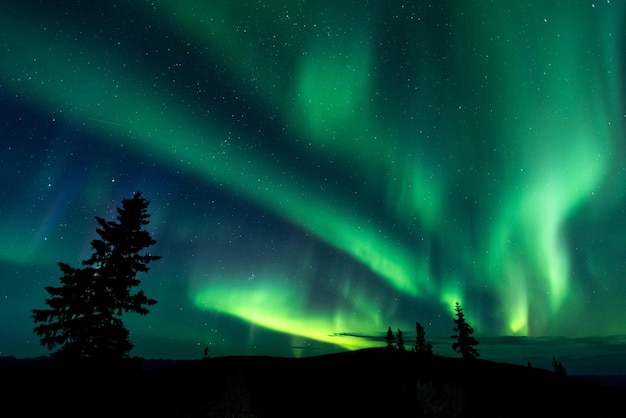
390 338
421 345
84 315
465 343
400 340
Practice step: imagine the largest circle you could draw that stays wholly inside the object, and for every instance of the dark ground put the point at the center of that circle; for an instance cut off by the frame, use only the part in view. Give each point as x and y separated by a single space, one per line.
364 383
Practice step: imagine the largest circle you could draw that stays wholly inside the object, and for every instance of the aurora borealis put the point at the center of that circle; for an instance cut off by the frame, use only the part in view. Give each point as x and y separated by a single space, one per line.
319 171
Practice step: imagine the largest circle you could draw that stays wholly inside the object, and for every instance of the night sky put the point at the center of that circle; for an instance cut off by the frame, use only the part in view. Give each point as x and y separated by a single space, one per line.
321 170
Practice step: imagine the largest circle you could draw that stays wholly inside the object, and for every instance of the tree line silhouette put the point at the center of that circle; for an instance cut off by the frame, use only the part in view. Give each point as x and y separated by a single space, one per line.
84 314
464 344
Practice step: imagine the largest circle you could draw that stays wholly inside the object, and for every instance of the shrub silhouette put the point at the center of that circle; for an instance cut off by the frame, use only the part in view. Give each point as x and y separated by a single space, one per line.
443 401
235 400
84 315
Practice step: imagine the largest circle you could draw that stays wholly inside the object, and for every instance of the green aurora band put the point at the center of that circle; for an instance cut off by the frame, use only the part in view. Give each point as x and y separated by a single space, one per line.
523 101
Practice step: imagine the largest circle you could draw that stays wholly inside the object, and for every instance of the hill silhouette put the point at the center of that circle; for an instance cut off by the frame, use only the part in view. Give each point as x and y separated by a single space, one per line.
370 382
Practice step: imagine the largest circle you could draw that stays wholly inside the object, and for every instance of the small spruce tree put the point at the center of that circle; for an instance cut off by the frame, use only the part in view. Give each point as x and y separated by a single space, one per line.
421 345
390 338
465 343
558 367
400 340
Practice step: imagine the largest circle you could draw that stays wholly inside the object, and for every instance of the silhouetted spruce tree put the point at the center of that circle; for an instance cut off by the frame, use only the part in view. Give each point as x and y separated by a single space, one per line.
421 345
400 340
558 367
84 315
390 338
465 343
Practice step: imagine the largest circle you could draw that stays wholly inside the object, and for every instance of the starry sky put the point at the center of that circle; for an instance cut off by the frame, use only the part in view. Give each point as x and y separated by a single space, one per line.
320 170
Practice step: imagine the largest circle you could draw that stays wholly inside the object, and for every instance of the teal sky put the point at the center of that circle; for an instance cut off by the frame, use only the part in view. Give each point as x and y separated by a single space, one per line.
319 171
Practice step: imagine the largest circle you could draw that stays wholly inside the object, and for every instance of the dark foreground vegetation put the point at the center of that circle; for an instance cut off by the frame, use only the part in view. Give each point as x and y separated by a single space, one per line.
365 383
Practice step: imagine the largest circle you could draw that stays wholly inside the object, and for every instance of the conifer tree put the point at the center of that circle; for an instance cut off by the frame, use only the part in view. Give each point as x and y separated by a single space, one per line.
390 338
400 340
84 315
558 367
465 343
421 345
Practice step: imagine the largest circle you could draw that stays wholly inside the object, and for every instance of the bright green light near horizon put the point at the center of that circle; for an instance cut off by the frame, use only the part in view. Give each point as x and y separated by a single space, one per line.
515 296
280 307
